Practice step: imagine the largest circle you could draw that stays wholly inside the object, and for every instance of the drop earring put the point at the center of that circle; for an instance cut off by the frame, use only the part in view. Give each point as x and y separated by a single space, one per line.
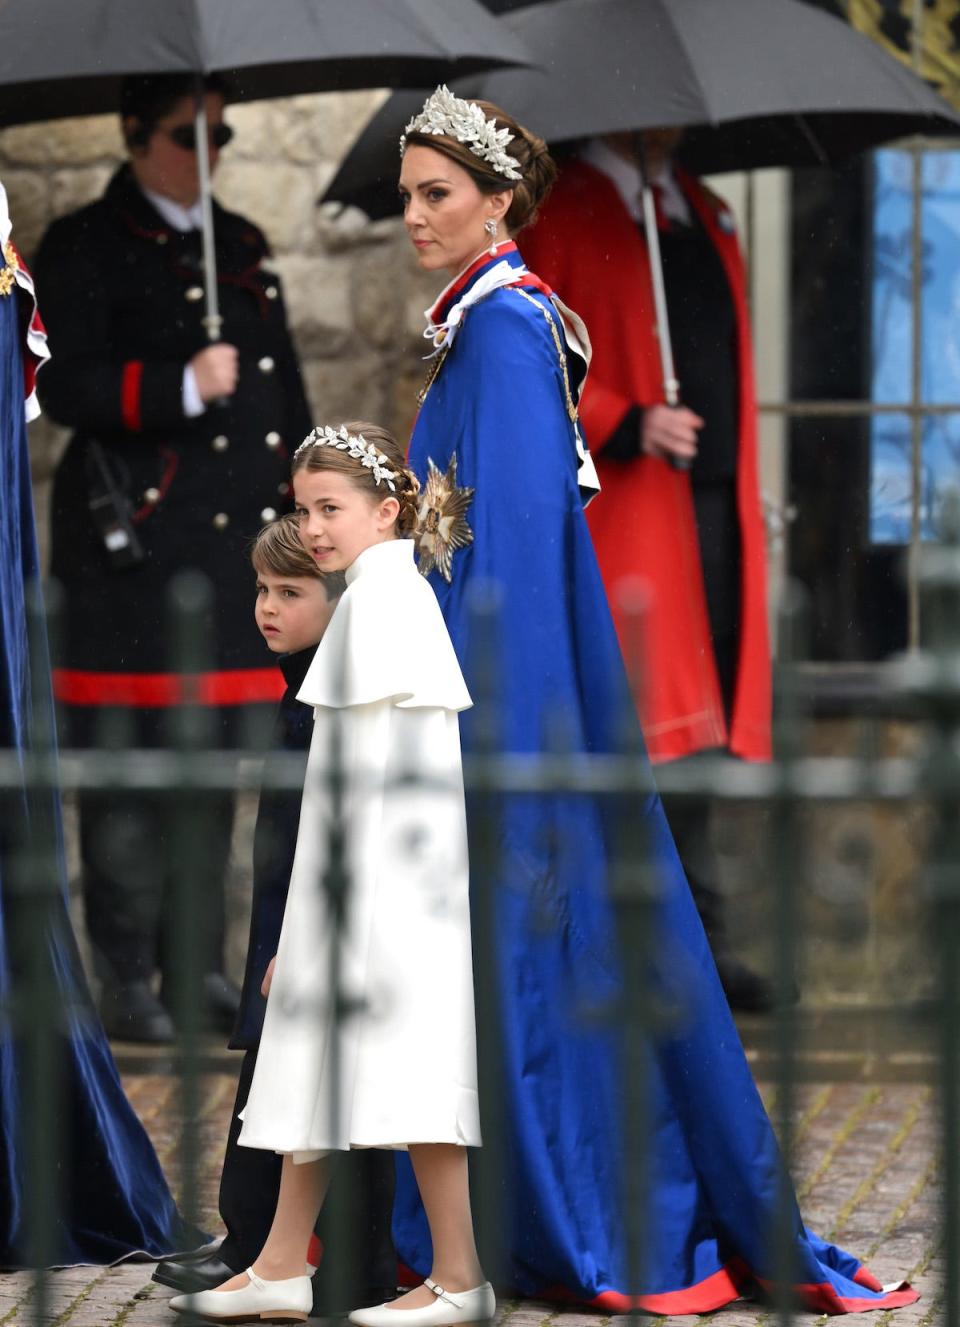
490 226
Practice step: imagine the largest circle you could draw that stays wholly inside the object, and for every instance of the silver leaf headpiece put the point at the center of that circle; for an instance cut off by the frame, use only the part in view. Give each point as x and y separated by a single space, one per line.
356 447
451 116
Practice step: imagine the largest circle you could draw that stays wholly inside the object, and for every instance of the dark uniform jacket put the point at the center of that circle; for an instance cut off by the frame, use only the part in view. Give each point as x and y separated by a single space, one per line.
274 845
121 293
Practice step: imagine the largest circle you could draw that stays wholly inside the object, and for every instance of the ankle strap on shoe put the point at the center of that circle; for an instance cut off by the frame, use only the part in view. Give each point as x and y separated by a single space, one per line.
254 1279
443 1294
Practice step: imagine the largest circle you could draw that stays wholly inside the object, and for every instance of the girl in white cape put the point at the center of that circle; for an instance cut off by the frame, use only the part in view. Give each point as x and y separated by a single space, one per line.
398 1069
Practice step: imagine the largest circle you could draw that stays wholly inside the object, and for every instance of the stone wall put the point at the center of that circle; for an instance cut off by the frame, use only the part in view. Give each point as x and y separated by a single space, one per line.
354 295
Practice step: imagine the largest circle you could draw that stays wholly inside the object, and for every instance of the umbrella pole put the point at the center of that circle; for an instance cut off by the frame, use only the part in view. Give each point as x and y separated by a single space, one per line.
212 322
671 387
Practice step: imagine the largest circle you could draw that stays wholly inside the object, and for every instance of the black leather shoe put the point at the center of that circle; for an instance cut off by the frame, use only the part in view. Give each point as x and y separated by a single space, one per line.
746 990
131 1012
220 1001
190 1275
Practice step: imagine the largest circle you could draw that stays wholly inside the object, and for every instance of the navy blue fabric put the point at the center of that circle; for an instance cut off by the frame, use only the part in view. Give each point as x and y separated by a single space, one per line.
115 1199
274 846
498 406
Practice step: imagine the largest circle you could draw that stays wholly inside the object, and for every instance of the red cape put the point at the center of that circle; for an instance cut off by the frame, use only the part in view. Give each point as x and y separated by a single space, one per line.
587 246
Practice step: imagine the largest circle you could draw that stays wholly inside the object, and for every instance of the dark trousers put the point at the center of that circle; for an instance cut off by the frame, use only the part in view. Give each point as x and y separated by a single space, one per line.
718 531
249 1186
689 821
129 888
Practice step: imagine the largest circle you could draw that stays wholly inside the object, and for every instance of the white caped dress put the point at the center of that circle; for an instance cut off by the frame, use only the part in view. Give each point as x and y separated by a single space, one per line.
385 684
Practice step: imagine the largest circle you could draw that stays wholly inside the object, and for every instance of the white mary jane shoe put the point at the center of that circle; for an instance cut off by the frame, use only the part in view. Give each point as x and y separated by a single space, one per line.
449 1308
270 1301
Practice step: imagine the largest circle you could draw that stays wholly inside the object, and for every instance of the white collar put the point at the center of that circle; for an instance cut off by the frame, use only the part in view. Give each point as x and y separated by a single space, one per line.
625 176
441 335
178 217
391 554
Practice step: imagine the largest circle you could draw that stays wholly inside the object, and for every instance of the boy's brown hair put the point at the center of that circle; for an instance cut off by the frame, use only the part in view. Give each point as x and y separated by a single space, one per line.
279 551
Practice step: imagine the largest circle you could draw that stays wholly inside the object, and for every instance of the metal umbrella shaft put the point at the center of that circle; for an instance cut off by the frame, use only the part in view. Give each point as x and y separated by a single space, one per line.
212 321
671 387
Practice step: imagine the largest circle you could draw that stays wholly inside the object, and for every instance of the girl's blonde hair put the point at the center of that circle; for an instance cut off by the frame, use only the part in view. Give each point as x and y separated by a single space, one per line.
406 486
278 550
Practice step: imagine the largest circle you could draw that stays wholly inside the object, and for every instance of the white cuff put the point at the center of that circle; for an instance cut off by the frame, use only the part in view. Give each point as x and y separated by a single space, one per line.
193 404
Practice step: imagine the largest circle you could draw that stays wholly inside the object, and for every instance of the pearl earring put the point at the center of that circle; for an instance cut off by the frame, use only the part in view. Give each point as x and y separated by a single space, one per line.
490 226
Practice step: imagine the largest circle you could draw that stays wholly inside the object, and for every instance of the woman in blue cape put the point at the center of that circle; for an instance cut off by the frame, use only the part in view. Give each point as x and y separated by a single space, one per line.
114 1200
497 449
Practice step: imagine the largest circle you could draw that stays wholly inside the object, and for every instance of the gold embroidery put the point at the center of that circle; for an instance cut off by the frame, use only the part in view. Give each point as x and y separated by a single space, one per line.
561 353
431 377
7 278
442 525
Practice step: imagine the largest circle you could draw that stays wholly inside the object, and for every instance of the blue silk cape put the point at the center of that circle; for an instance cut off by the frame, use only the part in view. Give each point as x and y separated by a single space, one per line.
114 1199
498 405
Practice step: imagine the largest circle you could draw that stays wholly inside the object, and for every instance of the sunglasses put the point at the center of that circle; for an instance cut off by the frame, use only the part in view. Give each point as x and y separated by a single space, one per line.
185 136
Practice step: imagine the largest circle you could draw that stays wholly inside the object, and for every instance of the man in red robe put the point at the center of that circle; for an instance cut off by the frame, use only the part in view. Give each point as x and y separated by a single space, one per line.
694 535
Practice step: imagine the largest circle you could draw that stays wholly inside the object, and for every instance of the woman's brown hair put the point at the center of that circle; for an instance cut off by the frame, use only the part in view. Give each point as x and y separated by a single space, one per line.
406 486
537 166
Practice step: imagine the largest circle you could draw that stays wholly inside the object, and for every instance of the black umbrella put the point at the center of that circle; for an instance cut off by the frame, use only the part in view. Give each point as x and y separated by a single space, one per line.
758 83
68 57
755 82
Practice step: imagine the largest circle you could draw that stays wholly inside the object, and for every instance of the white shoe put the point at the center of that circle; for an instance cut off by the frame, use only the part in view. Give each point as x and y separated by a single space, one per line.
449 1307
270 1301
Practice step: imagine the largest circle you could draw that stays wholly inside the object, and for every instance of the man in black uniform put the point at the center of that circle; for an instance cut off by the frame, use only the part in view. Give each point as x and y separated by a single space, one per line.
180 453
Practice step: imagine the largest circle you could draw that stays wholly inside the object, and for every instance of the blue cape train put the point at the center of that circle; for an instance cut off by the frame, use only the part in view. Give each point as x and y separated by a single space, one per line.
498 405
114 1199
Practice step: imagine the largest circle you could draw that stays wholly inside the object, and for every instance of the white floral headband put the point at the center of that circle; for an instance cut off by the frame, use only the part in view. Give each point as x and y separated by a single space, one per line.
450 116
356 447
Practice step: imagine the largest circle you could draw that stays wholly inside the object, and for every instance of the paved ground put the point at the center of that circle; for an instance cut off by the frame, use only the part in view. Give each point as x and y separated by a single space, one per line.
866 1176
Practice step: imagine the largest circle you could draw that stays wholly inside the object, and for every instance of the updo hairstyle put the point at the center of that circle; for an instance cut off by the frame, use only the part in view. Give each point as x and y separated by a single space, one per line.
535 163
406 485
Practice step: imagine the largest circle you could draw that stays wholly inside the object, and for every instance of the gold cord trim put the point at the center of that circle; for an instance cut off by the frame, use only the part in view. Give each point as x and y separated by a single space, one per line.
561 353
7 278
437 365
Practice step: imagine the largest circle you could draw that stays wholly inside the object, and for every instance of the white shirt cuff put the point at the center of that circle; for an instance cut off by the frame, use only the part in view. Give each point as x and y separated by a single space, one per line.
192 401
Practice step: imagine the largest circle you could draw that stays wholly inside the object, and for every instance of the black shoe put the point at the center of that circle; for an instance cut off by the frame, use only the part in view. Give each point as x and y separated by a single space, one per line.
190 1275
221 999
131 1012
746 990
220 1002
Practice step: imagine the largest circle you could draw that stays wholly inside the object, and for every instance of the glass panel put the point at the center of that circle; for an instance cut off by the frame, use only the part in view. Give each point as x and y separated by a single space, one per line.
891 333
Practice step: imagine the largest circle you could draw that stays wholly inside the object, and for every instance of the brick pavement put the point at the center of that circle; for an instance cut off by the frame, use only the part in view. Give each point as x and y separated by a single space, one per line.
865 1168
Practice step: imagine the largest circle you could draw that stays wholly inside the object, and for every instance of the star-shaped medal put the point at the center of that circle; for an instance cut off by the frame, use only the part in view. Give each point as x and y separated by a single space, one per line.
441 520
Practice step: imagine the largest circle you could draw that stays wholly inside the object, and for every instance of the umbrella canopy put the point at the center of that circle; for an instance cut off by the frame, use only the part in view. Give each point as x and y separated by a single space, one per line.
67 57
756 82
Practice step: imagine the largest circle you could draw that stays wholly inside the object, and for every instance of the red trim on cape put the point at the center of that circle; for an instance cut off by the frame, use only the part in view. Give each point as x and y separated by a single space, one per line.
235 686
130 394
449 295
715 1292
643 522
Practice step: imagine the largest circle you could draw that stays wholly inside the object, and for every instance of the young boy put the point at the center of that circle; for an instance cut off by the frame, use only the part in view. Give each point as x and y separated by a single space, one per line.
294 603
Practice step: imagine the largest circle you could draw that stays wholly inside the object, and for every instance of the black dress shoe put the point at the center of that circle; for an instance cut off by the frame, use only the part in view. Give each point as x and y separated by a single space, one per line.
219 1002
189 1275
746 990
131 1012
